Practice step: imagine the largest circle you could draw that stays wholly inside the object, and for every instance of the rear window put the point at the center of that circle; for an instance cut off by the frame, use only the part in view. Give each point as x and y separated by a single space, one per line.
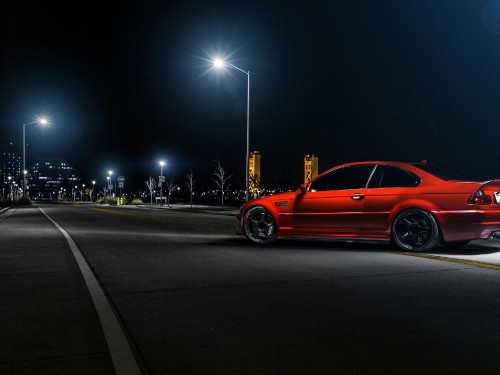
440 173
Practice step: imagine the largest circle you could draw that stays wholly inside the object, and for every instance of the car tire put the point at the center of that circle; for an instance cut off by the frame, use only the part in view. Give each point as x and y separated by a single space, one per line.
259 226
415 230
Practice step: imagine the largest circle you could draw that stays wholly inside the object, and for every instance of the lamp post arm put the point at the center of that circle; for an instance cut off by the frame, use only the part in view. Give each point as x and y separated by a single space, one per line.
229 65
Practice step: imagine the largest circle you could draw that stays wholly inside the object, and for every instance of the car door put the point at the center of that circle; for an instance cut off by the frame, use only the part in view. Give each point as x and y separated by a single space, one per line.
334 202
388 186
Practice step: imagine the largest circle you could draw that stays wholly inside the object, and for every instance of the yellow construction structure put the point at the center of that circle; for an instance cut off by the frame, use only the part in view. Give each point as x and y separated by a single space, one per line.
254 174
310 167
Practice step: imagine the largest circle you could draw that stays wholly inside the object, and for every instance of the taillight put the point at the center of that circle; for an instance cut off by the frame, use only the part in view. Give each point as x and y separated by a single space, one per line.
478 197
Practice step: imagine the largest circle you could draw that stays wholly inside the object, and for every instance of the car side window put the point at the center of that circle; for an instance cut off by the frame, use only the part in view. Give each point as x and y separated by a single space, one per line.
353 177
388 176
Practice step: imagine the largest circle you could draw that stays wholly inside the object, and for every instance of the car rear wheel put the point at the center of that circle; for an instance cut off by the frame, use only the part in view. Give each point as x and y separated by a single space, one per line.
259 226
415 230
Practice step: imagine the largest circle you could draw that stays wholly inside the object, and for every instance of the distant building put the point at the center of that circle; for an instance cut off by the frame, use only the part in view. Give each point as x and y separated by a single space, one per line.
10 166
310 167
51 178
254 173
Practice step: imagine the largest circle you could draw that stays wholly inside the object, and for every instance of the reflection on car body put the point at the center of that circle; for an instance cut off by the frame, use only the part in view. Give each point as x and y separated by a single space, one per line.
415 206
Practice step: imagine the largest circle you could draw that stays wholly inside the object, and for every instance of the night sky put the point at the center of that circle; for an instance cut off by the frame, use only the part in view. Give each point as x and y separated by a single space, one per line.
129 83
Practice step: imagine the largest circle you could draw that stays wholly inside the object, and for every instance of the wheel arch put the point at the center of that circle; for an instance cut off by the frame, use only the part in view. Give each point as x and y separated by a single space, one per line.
420 204
265 205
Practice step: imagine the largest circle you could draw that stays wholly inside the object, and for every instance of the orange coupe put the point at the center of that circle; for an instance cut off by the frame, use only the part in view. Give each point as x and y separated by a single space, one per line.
415 206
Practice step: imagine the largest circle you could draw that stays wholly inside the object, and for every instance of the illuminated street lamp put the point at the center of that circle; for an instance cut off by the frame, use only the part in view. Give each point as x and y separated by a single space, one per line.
41 121
161 180
219 64
92 192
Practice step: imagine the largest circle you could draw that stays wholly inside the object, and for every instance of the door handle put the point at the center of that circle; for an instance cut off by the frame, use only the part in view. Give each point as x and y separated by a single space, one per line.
357 196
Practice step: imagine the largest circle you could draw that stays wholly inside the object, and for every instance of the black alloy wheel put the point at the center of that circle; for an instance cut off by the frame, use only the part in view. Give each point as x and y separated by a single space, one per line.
259 226
415 230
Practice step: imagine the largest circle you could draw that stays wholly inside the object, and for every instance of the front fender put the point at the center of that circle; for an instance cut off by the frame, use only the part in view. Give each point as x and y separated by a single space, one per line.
277 208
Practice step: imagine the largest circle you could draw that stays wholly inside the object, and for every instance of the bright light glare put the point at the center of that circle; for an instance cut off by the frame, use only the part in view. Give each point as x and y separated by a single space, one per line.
162 163
44 121
218 63
110 172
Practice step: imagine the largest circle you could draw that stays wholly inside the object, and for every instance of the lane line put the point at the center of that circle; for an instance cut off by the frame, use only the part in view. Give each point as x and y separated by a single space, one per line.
452 260
122 356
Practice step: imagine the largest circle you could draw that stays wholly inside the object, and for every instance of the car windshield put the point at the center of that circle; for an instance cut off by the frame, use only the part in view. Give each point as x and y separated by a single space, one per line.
440 173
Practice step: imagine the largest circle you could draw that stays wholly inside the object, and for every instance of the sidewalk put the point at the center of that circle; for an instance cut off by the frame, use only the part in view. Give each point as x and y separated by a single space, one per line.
49 323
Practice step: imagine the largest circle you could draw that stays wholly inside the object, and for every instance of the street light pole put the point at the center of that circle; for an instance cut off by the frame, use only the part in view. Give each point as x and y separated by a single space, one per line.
161 181
41 121
218 63
11 194
247 182
110 185
24 159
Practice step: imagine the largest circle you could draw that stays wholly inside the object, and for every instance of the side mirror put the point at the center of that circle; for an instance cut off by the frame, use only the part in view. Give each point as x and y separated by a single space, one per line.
304 188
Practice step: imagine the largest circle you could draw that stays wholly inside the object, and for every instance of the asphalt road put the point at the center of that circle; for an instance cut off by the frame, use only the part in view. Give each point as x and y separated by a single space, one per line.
194 298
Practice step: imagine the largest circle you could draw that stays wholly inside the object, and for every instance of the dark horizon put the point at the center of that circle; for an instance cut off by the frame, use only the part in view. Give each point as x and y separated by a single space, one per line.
128 85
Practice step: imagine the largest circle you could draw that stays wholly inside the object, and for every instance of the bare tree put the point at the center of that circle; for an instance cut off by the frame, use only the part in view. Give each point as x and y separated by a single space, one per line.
170 188
151 184
221 179
190 185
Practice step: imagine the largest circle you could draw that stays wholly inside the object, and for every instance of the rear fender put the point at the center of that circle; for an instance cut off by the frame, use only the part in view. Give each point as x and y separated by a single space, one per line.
414 203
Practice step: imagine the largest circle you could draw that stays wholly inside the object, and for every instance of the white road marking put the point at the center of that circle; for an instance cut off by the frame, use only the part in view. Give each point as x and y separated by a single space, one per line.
123 359
3 209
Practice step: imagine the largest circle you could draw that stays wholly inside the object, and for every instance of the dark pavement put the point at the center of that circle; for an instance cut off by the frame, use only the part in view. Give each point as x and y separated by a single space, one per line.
194 298
49 323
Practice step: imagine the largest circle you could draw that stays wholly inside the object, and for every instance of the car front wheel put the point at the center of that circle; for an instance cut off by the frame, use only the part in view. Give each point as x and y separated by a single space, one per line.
259 226
415 230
